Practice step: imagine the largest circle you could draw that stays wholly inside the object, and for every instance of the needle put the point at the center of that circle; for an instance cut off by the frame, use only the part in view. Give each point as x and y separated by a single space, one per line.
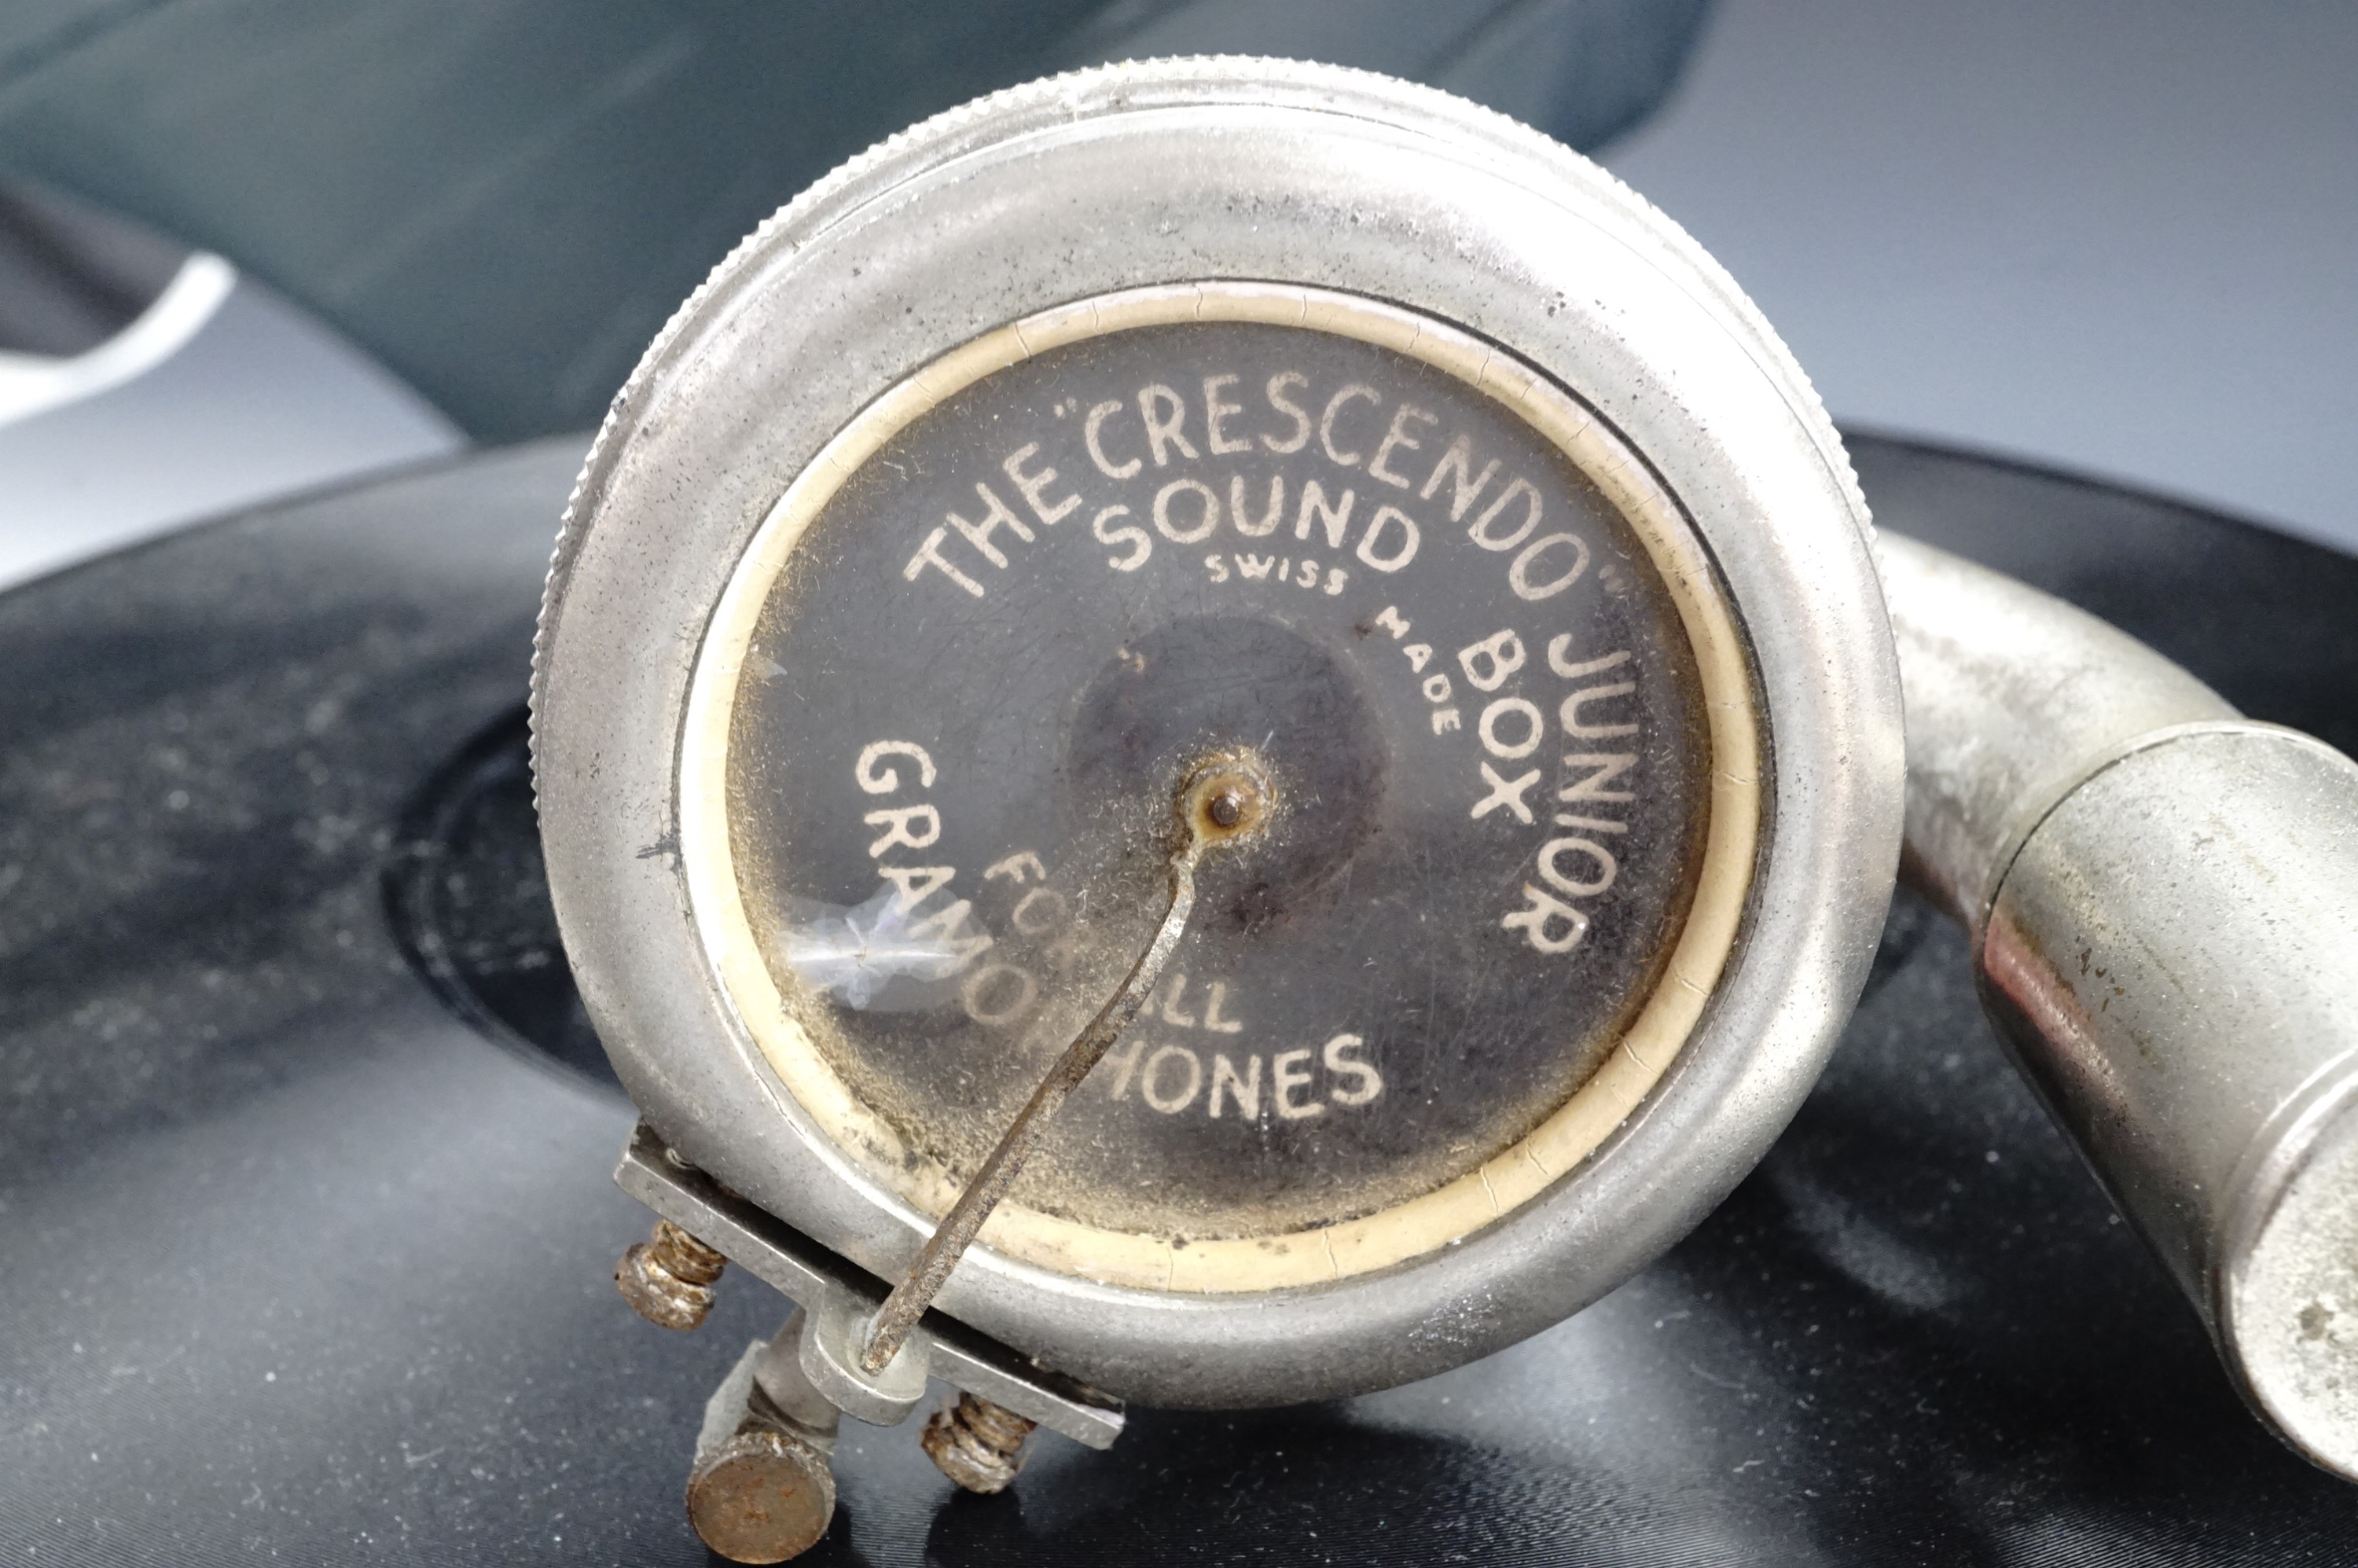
1223 800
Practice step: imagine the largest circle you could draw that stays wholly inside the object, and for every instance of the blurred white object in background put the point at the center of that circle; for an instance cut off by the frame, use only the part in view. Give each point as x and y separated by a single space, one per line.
35 384
212 395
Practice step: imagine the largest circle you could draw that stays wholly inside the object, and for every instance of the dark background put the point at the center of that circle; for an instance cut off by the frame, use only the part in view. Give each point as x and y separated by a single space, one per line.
2113 237
304 1151
303 1143
503 200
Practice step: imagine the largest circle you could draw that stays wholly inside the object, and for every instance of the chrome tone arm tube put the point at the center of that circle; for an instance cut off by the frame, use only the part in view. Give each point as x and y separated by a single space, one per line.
2163 903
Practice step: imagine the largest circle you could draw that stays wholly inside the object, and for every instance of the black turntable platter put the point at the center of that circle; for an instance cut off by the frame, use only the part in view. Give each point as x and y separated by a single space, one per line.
304 1144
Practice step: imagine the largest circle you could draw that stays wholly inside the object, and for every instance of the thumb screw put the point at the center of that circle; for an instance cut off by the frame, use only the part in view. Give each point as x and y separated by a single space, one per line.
668 1278
977 1443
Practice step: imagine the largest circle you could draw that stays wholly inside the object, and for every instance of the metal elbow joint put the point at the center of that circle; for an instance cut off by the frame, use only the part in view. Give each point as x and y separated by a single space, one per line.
2163 903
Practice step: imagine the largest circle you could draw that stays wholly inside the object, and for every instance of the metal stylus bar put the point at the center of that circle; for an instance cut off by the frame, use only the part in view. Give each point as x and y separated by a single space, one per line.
910 1298
1222 801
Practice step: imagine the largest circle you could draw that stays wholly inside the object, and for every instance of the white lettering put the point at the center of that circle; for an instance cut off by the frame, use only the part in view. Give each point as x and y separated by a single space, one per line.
1140 546
1152 1077
1409 540
1480 532
1287 1074
1123 1063
1163 434
1569 717
1091 432
1397 438
929 554
1030 486
917 883
1508 793
1553 872
1215 411
995 516
1355 392
884 781
1039 912
1172 995
1245 1090
1368 1082
1539 919
946 927
1533 726
1292 410
1489 662
1560 659
1207 520
1013 866
1456 465
899 816
1605 767
1594 824
1334 519
1017 991
1269 519
1518 574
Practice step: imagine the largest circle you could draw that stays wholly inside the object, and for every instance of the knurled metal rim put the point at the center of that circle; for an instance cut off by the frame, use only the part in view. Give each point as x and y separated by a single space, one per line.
1174 172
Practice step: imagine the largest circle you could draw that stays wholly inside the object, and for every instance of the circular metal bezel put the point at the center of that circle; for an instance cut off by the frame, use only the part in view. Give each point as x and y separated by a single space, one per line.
1321 1254
1175 173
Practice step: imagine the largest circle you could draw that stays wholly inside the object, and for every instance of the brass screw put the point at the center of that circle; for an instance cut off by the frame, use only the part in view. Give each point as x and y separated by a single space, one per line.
1226 798
667 1279
766 1494
977 1443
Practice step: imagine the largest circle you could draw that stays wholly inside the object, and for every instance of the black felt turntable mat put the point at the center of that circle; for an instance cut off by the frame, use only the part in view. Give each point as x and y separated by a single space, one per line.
307 1255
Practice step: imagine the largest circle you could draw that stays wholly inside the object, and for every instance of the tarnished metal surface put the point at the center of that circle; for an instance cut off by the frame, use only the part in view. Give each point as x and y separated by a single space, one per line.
977 1443
668 1278
810 1276
2012 698
762 1496
1170 174
2174 954
763 1488
834 1337
2164 902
